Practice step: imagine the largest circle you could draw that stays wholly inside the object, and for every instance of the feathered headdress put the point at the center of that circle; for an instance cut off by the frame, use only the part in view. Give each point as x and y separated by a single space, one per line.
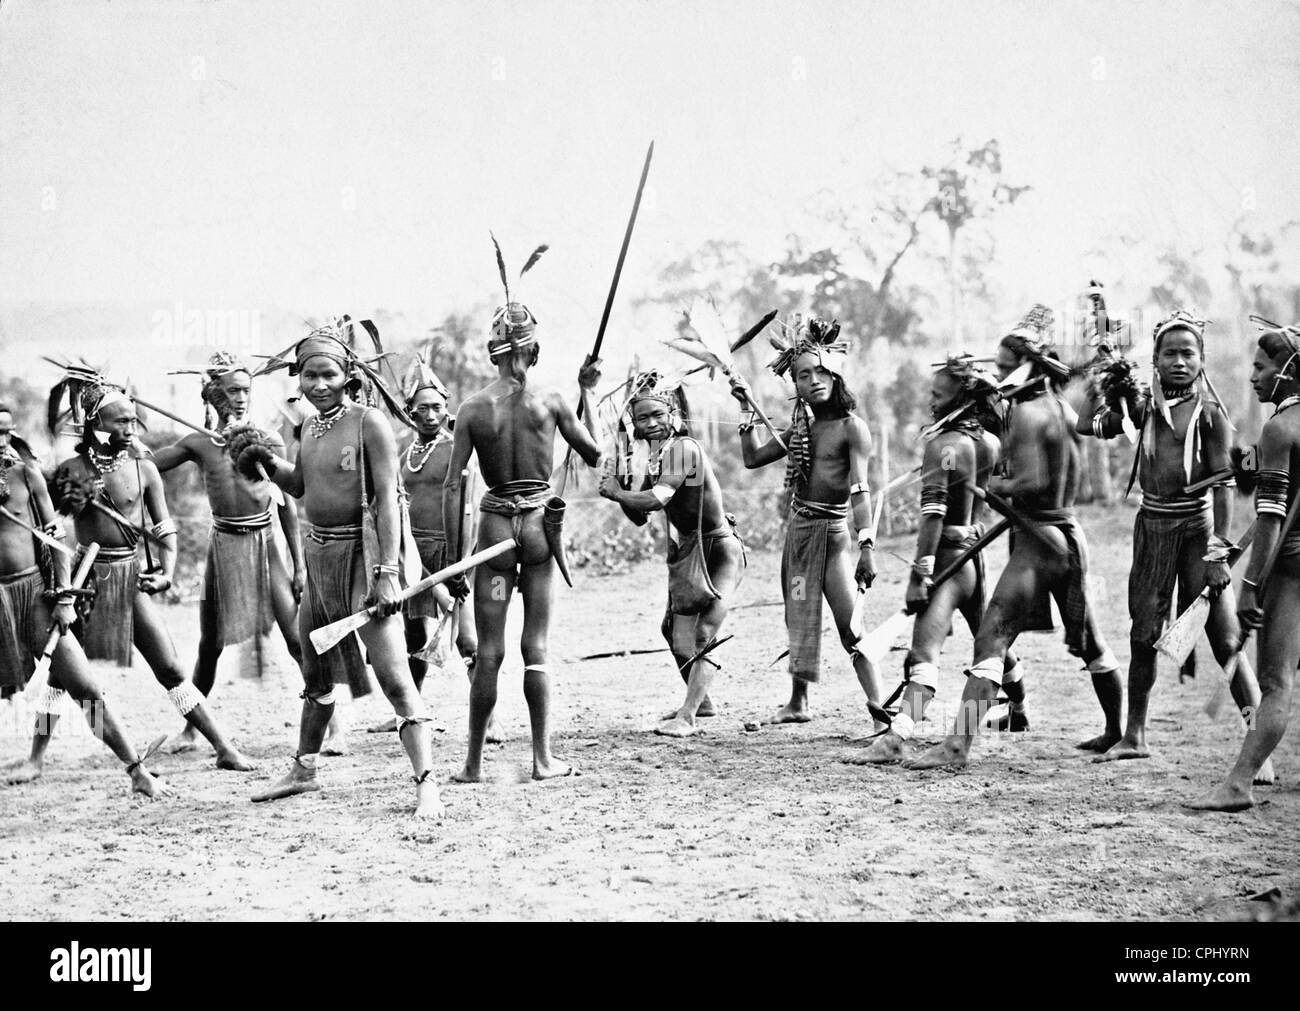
220 365
337 339
513 324
814 336
1032 339
84 391
630 456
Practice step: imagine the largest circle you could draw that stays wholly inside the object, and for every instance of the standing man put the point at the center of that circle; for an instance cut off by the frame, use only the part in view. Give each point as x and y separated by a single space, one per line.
117 500
960 453
828 449
1273 606
707 559
31 604
423 471
511 426
346 474
245 580
1049 554
1185 437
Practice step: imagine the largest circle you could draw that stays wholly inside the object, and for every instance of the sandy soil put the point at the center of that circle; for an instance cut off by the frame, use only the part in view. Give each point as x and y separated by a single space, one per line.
732 825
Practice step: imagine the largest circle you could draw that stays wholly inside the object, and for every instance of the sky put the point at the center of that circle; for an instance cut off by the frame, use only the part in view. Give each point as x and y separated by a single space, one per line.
306 158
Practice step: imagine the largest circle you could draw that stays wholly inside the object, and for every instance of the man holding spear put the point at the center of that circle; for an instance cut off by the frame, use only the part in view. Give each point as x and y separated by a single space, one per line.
511 425
828 447
346 474
245 580
34 604
1185 433
1270 590
105 486
1048 555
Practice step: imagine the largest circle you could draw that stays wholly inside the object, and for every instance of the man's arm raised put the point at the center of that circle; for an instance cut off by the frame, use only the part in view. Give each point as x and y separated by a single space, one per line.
576 434
173 456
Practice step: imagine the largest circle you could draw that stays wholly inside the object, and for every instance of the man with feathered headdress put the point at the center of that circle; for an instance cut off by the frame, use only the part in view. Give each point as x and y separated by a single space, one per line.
1177 537
346 472
37 596
827 447
961 450
511 426
1270 597
424 456
116 496
246 585
705 559
1049 553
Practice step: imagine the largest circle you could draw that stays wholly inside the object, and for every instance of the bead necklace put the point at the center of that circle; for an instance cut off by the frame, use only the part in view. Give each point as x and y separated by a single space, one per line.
426 450
108 464
322 423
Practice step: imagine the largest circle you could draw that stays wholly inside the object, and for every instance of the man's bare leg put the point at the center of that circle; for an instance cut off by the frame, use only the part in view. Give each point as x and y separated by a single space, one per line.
953 752
385 645
1141 679
419 634
796 710
155 645
535 588
47 717
1109 689
700 673
1224 633
205 665
492 592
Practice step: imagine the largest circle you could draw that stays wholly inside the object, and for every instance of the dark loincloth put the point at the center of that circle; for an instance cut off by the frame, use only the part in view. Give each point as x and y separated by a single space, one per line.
432 546
817 532
1070 589
109 632
1165 544
239 559
332 556
24 626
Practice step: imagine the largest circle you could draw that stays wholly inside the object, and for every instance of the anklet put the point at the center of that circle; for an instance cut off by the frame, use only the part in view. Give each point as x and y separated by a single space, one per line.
421 777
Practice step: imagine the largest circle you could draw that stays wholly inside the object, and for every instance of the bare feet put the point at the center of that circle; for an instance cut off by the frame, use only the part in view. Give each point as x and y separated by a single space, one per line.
299 780
705 712
143 783
428 805
1101 743
884 750
553 769
677 727
389 726
789 713
186 740
947 754
493 735
1123 750
25 771
1265 776
336 742
233 761
468 775
1225 797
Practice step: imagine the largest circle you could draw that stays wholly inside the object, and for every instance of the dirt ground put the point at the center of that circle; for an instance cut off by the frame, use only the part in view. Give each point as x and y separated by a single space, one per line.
731 825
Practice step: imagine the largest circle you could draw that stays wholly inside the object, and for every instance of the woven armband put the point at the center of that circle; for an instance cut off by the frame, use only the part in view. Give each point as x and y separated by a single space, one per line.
859 489
164 529
1271 492
934 500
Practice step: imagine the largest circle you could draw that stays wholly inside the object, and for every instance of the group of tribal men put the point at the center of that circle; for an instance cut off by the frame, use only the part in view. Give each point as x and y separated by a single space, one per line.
379 516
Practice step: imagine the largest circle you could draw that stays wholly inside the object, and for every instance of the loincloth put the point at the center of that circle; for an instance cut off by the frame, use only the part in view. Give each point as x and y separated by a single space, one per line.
1163 546
952 542
239 560
1069 586
109 632
714 543
816 533
332 555
525 503
432 546
24 626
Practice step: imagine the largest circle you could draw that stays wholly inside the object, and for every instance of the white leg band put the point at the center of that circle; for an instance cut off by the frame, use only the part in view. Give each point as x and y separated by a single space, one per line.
924 674
903 725
321 700
185 697
541 668
51 703
990 669
306 761
1104 663
1016 673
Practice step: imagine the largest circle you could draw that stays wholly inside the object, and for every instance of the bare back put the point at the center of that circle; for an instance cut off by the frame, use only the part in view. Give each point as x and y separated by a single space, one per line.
512 429
1042 449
